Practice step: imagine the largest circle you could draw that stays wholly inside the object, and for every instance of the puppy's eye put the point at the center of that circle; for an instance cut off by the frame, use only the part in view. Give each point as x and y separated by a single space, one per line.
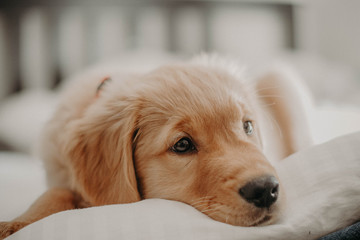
248 127
184 145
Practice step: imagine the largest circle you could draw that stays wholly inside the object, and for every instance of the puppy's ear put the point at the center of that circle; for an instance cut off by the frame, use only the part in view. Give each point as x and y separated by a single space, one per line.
101 154
101 85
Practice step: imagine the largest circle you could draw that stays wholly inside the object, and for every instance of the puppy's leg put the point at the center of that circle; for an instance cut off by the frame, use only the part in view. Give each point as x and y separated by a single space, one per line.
288 105
52 201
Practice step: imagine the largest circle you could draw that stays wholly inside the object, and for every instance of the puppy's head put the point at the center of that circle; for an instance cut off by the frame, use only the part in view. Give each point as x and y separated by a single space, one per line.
188 133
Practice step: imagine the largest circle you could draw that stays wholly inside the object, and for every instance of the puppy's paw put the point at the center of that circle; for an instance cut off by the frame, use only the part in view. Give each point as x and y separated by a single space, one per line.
8 228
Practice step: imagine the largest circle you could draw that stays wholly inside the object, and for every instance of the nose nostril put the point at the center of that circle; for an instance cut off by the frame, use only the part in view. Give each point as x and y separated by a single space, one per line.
274 191
262 191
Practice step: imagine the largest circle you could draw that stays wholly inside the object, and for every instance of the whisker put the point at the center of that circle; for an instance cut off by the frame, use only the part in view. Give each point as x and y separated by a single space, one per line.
202 202
199 200
207 196
211 209
200 205
211 214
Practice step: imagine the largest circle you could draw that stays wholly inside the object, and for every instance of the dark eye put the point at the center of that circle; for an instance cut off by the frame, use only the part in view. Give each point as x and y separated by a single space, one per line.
248 127
184 145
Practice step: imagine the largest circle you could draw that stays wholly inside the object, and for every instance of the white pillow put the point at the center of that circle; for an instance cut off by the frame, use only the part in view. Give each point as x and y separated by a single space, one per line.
22 117
322 186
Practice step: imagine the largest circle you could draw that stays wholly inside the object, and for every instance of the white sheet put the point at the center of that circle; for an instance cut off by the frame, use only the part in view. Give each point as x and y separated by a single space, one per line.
22 180
322 185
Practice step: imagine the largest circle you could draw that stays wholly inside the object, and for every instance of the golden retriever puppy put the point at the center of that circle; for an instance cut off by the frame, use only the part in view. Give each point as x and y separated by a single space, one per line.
190 132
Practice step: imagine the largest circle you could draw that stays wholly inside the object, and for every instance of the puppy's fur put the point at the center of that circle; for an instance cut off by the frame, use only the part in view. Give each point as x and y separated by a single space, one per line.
117 145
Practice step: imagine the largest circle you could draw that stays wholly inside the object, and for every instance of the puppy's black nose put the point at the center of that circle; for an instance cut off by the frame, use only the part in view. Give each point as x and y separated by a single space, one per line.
262 191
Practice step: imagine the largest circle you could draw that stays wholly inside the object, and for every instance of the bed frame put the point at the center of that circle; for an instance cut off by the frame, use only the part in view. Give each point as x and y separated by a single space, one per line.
43 41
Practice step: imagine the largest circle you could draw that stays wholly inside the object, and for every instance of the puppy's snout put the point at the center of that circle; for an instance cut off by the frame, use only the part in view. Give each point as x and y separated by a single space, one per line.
262 191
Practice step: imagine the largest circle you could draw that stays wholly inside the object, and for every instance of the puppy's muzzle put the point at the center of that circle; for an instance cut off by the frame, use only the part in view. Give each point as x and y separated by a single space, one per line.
262 191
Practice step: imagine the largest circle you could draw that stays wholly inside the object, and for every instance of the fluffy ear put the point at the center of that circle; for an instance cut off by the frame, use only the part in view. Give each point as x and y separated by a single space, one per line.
101 154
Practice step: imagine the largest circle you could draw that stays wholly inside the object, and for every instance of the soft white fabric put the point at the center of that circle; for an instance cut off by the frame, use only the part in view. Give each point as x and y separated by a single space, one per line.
22 116
22 180
322 186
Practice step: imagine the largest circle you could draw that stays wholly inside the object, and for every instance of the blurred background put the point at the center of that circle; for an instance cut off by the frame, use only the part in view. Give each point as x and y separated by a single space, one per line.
42 42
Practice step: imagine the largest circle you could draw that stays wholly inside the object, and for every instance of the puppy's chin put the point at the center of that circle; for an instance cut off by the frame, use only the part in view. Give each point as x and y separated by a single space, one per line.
271 216
263 220
251 217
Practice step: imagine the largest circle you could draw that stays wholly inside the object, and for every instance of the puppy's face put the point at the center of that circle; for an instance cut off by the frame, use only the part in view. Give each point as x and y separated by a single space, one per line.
188 133
197 141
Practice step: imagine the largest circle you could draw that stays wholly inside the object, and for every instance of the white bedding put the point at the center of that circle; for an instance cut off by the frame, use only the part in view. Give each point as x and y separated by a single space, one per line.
322 186
22 180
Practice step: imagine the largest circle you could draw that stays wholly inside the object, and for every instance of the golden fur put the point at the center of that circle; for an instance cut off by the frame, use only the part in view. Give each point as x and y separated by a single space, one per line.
116 148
